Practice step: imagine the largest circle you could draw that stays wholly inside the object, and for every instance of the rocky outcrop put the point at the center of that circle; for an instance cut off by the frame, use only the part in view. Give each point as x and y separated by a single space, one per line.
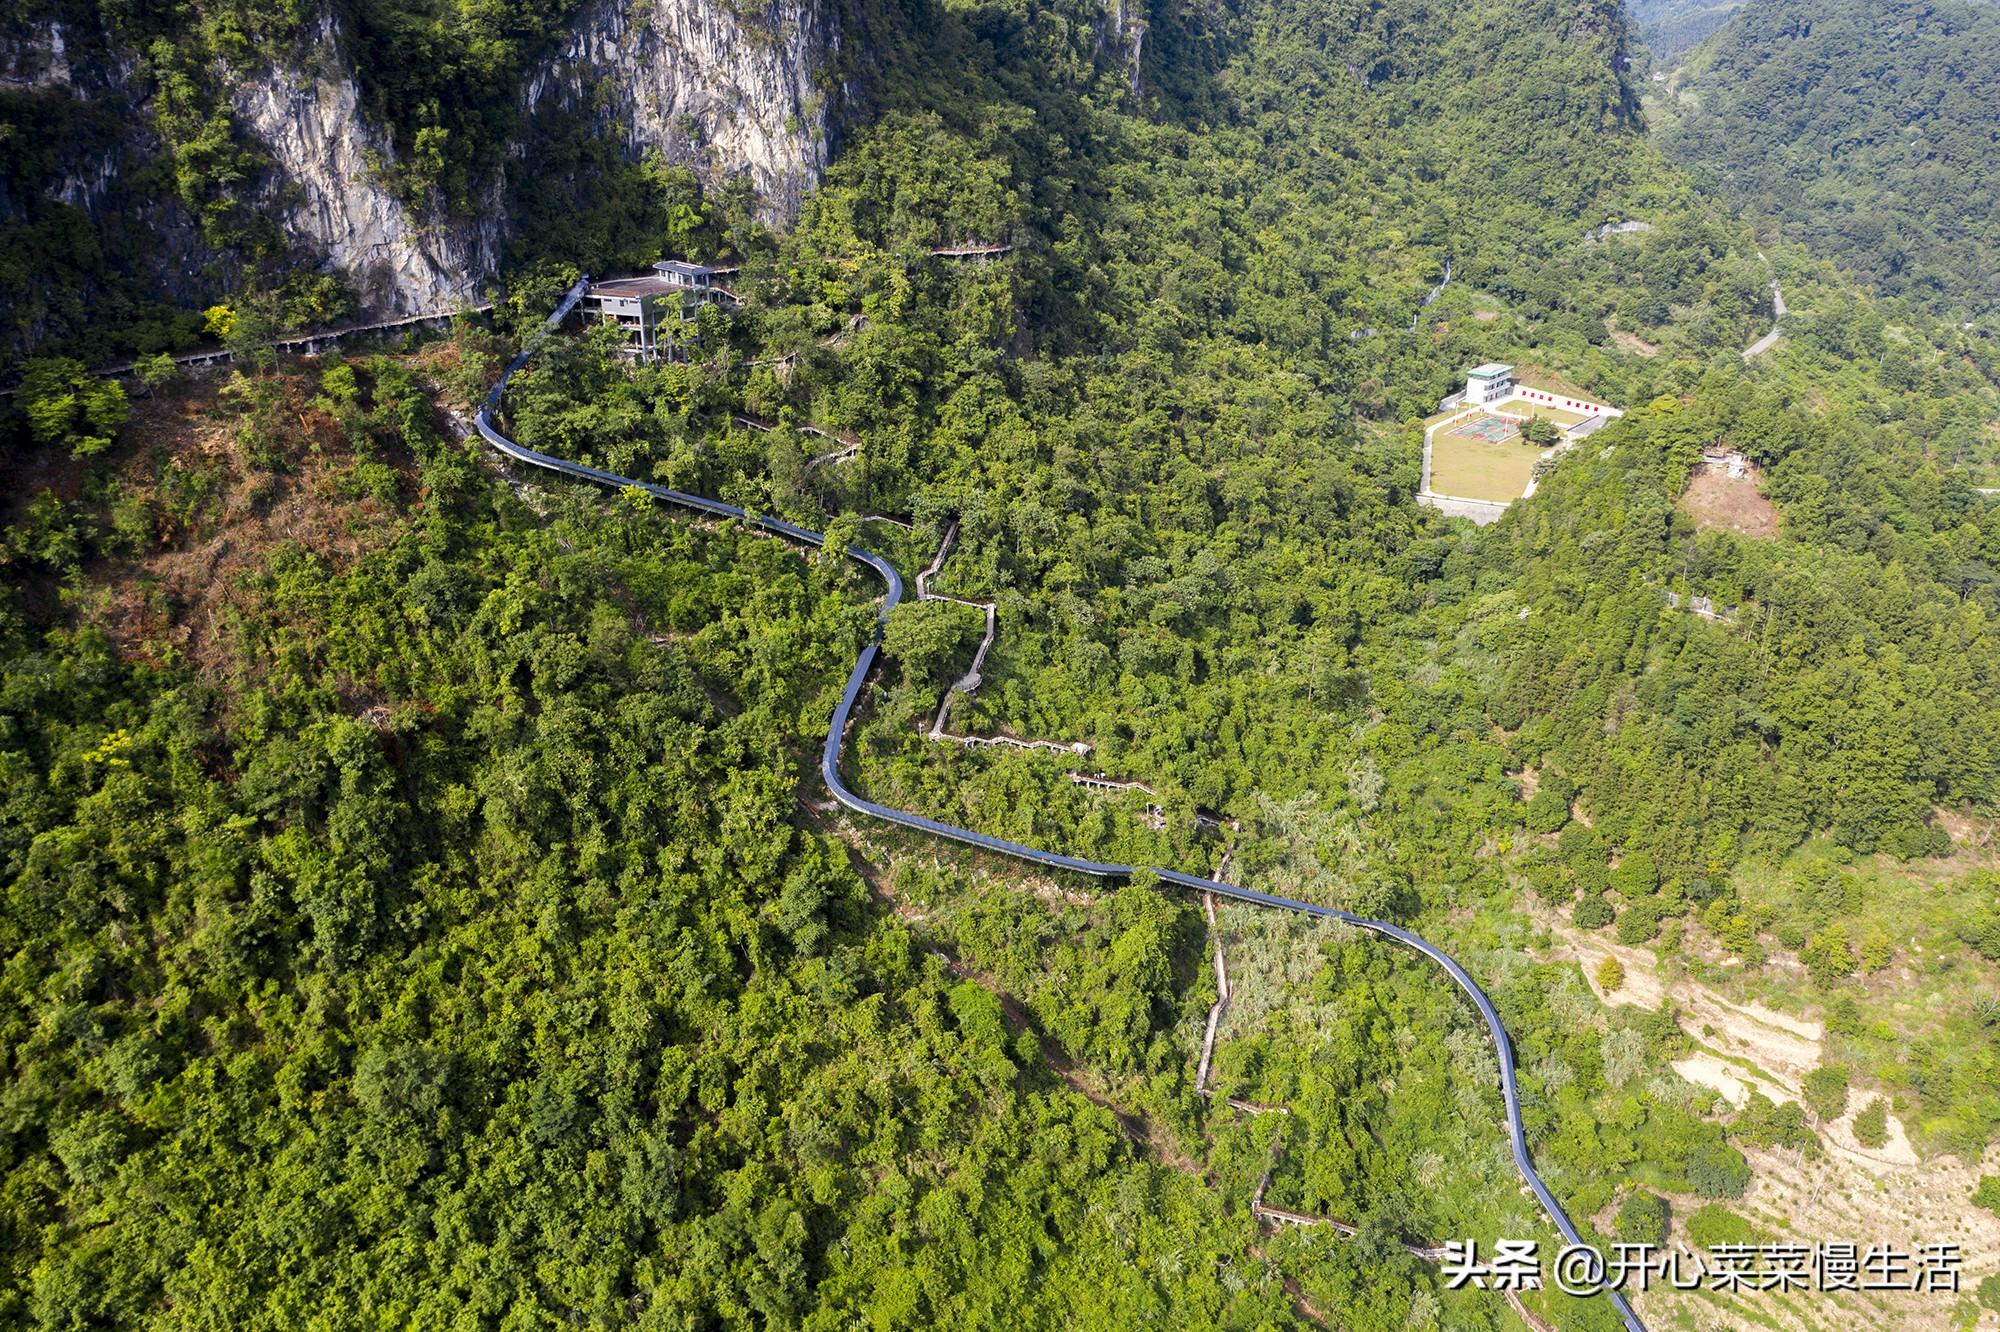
36 59
41 59
80 105
722 91
1122 26
729 92
332 195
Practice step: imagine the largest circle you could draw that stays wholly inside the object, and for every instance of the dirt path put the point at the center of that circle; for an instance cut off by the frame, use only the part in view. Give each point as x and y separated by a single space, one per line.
1778 1049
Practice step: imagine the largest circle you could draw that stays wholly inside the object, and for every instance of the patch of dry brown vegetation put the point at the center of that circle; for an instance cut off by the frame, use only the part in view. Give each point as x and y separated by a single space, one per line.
219 488
1630 342
1716 500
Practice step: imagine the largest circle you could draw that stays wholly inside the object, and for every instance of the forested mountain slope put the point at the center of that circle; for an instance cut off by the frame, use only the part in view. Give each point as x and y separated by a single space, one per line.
421 904
1870 132
1672 27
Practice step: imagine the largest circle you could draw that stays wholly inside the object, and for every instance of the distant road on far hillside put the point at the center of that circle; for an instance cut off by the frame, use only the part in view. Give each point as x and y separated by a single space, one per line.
1769 340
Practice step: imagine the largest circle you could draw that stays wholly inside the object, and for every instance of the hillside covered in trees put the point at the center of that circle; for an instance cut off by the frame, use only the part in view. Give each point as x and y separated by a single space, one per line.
1868 132
1671 27
422 905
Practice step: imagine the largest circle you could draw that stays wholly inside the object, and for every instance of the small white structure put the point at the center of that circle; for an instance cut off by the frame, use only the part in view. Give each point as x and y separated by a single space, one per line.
1488 383
685 276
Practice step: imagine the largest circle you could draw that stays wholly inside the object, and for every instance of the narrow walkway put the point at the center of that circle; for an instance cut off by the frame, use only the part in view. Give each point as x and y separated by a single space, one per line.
296 342
972 679
849 444
1218 1008
1221 994
1430 1253
836 740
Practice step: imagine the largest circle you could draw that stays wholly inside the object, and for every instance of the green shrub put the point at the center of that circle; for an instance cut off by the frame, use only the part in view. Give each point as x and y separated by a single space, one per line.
1547 812
1825 1091
1717 1170
1593 913
1828 956
1764 1124
1871 1126
1643 1219
1640 921
68 408
1636 876
1712 1224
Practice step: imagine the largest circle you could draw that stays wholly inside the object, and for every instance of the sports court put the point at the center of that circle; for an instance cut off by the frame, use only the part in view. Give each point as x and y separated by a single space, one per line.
1488 426
1474 448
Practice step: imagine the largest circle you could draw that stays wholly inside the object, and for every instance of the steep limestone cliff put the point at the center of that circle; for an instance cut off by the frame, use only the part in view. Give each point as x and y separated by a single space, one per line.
725 91
331 193
706 87
74 132
1123 25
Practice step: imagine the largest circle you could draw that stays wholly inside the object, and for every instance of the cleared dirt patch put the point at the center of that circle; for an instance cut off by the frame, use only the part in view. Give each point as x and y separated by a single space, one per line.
1747 1043
1733 1084
1847 1193
1632 342
1715 499
1536 377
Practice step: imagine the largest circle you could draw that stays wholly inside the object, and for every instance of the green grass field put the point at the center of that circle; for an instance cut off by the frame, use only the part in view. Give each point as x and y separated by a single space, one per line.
1474 469
1562 416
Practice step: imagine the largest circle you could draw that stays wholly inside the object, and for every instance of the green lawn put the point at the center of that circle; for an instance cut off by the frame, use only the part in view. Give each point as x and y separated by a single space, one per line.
1474 469
1562 416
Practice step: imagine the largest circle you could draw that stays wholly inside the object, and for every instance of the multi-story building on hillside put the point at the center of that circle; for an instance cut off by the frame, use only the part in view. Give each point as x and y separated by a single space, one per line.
1488 383
652 308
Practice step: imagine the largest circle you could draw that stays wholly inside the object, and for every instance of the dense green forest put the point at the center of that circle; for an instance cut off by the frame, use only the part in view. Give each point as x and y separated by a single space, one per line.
1868 132
422 906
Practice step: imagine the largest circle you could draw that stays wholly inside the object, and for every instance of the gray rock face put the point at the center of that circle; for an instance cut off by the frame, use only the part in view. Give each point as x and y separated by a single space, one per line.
692 80
332 197
1122 24
725 92
37 60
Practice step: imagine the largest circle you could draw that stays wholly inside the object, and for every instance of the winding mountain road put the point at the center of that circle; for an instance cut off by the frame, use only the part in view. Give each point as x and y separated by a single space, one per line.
1778 312
836 735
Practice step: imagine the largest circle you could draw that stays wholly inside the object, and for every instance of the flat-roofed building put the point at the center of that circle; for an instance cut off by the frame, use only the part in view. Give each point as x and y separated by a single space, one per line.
685 275
652 307
1488 383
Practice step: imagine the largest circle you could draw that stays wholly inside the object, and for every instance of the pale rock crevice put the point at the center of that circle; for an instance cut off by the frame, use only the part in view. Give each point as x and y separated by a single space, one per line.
1123 25
333 195
703 87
